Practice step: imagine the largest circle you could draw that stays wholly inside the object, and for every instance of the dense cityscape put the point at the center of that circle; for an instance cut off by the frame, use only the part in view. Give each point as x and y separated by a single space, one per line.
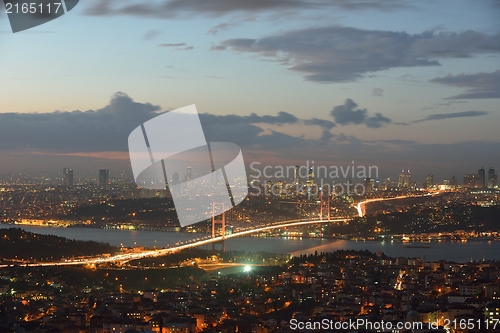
188 289
249 166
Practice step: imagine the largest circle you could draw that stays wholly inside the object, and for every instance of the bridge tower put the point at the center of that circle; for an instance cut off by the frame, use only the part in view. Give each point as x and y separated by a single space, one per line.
324 197
321 204
222 222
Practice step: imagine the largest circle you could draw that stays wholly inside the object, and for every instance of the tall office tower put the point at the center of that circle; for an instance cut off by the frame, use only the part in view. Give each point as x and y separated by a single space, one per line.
189 174
469 180
296 175
492 178
407 179
481 181
453 181
429 181
474 180
401 179
311 175
68 176
103 176
388 184
368 185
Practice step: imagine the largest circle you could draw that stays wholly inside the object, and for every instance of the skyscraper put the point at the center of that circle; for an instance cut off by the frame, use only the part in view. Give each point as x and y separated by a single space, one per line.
429 181
388 184
453 181
401 179
189 174
296 175
404 179
481 181
68 177
103 176
311 175
492 178
368 185
469 180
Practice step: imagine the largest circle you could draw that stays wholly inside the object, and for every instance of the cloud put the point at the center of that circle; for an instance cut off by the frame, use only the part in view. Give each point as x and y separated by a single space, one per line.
174 8
105 129
344 54
378 92
151 34
446 105
215 29
282 118
463 114
347 114
172 45
89 140
377 121
326 124
177 46
479 85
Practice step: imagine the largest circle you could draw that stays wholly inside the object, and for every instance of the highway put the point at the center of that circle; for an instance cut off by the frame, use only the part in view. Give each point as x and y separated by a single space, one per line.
361 205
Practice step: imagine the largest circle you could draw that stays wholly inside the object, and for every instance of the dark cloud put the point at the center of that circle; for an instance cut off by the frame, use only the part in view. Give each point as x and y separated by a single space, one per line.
105 129
479 85
326 124
84 139
377 121
463 114
243 131
343 54
173 8
347 114
282 118
378 92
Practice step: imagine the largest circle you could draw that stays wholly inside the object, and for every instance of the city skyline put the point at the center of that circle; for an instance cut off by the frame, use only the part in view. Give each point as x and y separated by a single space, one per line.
295 177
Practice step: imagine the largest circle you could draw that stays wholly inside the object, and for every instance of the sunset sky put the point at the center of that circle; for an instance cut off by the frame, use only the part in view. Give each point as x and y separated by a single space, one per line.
390 83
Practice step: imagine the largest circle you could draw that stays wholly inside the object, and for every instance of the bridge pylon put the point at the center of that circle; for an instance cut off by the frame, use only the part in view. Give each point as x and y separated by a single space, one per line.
222 222
321 206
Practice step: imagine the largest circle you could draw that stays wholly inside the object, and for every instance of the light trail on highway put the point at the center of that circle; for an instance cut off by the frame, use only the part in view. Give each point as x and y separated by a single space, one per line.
360 207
